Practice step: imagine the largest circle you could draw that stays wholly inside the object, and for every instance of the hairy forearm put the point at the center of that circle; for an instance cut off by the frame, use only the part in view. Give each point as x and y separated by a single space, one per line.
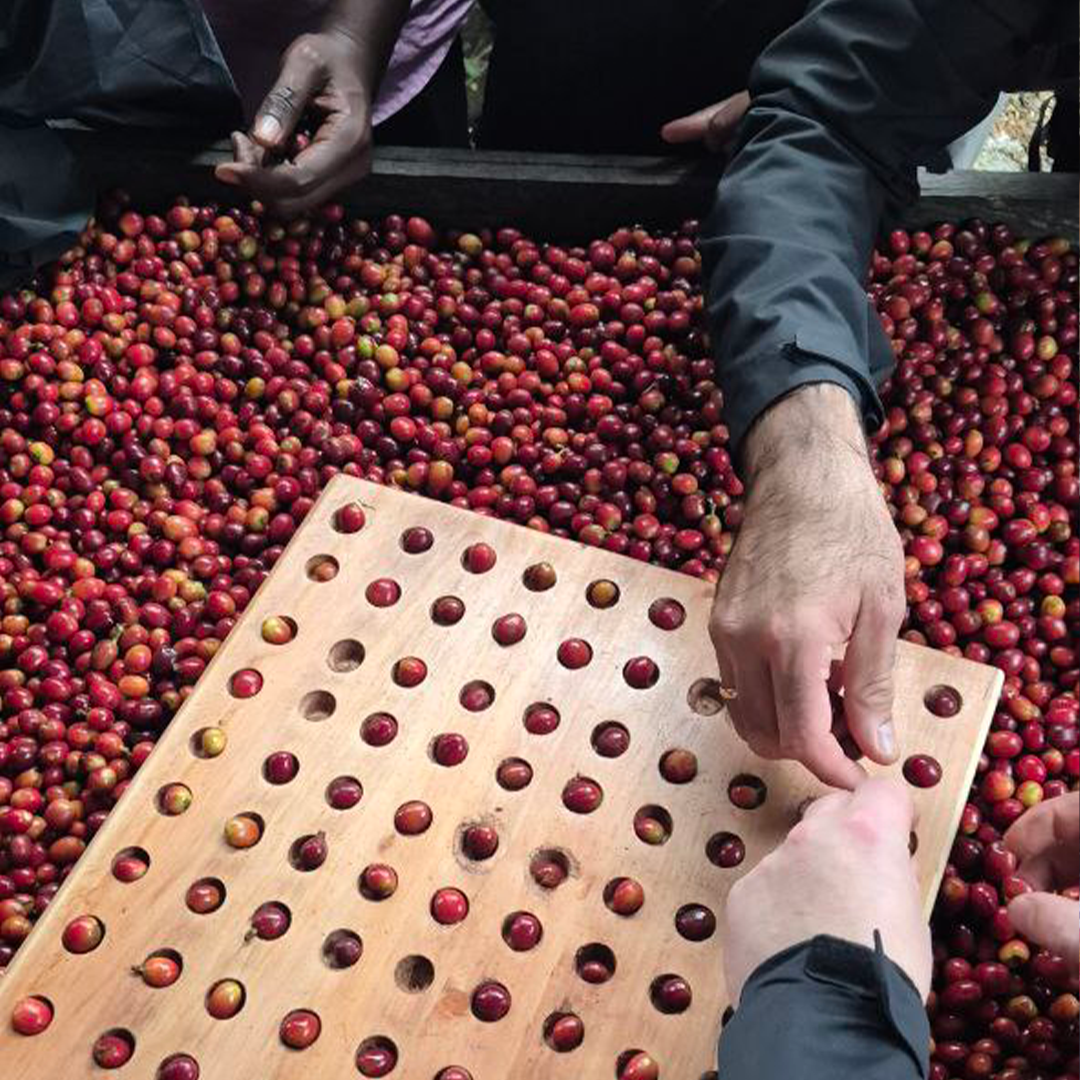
816 422
374 26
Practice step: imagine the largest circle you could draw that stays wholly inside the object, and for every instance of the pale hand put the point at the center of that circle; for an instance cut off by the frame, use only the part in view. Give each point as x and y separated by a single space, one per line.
844 870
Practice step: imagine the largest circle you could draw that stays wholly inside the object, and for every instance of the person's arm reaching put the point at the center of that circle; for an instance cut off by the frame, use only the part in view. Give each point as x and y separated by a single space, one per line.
843 106
829 977
336 70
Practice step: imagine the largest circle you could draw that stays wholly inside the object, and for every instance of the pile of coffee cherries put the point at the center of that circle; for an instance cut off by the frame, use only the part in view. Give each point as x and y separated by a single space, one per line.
177 389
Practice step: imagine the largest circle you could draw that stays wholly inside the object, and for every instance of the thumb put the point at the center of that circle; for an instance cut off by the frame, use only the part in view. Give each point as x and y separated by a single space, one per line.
715 124
868 685
1050 921
301 74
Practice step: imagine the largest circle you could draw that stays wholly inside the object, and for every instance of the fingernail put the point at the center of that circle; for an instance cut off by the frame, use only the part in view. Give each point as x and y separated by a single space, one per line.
226 175
267 128
886 739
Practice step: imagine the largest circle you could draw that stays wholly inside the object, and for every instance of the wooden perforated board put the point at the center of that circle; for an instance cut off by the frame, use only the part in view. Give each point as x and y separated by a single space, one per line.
434 1027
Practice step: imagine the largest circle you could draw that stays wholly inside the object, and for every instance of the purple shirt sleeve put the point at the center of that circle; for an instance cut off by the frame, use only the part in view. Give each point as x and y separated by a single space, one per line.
254 57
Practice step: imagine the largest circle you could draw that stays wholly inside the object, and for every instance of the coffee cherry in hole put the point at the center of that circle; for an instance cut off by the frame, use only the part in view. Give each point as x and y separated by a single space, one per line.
478 558
113 1049
211 742
31 1015
349 518
610 740
582 795
602 594
639 1066
130 865
174 799
83 934
376 1057
246 683
342 949
378 881
522 931
725 850
449 906
225 999
447 610
479 842
344 792
299 1029
178 1067
549 869
205 895
412 818
513 774
453 1072
624 896
280 767
695 922
383 592
409 671
541 718
679 766
450 749
667 614
379 729
416 540
671 994
509 629
269 922
574 653
278 630
158 970
564 1032
539 577
490 1002
922 771
641 672
242 831
943 701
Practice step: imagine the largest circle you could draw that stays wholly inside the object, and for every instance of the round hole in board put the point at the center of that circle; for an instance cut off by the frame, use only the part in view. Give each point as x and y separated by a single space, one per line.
602 593
747 791
317 705
563 1031
670 993
344 792
376 1056
205 895
539 577
549 868
610 739
280 767
636 1064
678 765
244 830
522 931
944 701
641 672
624 895
83 934
478 558
178 1067
695 922
541 718
414 973
922 771
161 968
209 742
595 963
173 799
269 921
416 540
667 613
349 518
653 825
113 1049
513 774
447 610
245 683
382 593
32 1015
378 881
225 999
322 568
341 949
130 864
725 849
477 695
704 697
378 729
345 655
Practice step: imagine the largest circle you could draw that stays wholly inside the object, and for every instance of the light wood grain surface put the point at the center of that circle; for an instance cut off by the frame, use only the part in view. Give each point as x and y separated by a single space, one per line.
434 1028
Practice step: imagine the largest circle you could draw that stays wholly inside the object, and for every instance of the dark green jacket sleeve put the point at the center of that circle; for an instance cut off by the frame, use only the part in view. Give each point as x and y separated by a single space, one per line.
845 104
827 1010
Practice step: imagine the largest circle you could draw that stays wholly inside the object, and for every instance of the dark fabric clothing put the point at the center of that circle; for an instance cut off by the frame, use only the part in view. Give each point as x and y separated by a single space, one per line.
846 103
827 1009
438 115
603 76
107 63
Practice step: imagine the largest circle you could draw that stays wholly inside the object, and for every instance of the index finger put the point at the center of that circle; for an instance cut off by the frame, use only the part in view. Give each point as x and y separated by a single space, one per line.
1045 841
804 715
